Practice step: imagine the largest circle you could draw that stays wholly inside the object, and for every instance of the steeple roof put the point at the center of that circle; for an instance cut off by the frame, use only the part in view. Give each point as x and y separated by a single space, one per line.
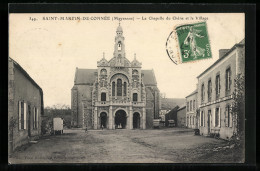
119 29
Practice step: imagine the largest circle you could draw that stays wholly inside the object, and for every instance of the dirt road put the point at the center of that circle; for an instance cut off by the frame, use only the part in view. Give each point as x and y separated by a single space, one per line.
176 145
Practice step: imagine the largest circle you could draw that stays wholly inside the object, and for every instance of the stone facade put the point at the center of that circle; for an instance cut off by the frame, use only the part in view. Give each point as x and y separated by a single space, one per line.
181 116
25 106
118 94
191 107
215 89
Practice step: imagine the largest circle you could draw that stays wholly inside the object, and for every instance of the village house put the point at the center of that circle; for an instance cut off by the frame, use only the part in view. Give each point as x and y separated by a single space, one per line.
215 89
191 108
171 117
25 106
181 116
168 108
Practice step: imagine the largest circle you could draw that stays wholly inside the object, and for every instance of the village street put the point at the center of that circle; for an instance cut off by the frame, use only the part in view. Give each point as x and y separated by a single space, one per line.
172 145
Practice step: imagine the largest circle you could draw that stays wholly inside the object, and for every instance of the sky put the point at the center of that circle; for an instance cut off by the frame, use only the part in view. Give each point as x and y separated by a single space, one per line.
50 50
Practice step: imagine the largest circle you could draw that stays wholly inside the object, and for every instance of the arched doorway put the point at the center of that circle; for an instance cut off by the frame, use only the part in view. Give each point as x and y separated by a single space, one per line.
103 120
120 119
136 120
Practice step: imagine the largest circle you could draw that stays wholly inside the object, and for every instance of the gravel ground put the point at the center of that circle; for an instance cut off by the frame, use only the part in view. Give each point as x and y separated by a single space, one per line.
175 145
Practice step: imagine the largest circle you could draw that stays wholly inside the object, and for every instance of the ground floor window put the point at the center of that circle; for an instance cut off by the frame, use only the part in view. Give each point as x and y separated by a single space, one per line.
217 117
228 116
22 110
35 118
202 119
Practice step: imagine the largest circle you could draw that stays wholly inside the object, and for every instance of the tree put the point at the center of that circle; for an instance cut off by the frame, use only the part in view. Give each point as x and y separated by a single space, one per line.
238 108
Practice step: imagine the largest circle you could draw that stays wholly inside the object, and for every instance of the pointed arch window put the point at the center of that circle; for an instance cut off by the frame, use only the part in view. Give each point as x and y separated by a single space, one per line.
119 87
124 88
113 88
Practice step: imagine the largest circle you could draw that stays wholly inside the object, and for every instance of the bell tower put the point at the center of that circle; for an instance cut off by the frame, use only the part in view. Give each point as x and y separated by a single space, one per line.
119 49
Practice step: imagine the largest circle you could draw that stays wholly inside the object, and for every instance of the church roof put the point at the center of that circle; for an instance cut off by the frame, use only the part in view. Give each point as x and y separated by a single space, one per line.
87 76
149 77
119 29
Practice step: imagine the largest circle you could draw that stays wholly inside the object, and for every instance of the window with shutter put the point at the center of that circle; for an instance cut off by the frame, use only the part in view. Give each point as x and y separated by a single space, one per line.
37 118
226 117
20 114
213 117
217 86
204 119
219 117
34 118
230 119
202 92
228 81
200 119
209 90
24 118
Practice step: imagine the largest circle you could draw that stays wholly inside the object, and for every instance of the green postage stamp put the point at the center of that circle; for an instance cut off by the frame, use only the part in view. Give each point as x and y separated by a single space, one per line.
192 42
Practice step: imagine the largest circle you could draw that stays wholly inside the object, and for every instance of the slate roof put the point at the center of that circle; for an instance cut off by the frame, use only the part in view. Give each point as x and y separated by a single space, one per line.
87 76
182 107
25 74
241 43
194 92
149 77
170 103
19 67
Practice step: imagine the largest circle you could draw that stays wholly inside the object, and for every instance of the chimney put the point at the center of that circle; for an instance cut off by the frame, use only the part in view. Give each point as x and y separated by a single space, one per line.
222 52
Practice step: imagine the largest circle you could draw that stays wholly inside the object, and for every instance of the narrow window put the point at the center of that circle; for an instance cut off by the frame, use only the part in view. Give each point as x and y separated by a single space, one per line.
113 88
103 96
193 104
228 80
135 97
217 86
209 90
119 87
202 93
119 46
124 88
229 116
188 106
34 117
201 119
22 115
217 117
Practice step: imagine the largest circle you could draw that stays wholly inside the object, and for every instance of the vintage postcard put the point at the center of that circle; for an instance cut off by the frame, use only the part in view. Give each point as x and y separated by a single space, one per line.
126 88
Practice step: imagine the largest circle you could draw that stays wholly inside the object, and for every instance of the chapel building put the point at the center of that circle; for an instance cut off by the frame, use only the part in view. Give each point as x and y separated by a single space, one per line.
116 95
